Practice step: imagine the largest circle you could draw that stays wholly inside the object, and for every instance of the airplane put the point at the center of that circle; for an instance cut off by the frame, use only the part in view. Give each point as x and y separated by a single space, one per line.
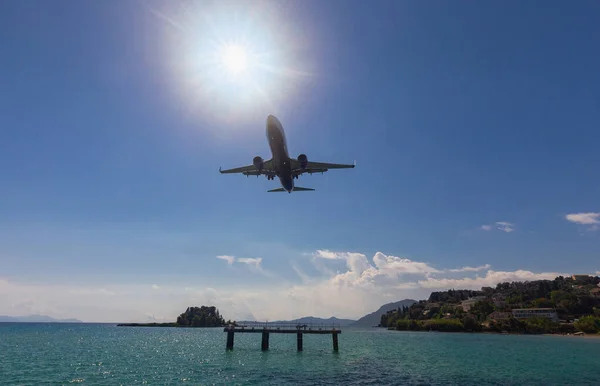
281 165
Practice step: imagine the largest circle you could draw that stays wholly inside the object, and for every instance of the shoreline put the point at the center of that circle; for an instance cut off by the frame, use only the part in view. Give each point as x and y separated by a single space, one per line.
587 336
163 325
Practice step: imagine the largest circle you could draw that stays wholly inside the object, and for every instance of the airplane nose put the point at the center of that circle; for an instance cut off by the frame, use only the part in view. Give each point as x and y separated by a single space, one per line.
272 120
271 123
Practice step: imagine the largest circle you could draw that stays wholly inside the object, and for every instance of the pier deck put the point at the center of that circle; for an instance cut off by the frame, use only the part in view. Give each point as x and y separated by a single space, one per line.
282 328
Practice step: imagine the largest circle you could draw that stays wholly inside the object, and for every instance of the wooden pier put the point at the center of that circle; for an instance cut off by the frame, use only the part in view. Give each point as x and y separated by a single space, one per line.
282 328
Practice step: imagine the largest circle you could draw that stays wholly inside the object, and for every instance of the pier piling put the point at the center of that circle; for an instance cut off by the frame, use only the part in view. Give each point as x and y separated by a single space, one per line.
335 341
299 340
230 340
265 341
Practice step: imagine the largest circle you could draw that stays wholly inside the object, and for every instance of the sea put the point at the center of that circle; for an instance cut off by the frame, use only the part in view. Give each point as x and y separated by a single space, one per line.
104 354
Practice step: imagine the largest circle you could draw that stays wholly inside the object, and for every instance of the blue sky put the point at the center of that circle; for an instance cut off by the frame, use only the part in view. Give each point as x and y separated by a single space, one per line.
114 122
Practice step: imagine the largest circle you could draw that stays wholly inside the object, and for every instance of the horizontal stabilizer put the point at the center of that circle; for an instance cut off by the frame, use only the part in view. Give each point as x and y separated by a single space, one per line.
296 189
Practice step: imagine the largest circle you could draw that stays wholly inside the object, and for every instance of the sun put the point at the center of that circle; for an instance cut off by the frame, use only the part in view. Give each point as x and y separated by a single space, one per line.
234 58
225 63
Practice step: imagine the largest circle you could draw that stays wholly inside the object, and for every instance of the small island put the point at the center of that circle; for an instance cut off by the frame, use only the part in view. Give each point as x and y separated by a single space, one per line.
565 305
205 316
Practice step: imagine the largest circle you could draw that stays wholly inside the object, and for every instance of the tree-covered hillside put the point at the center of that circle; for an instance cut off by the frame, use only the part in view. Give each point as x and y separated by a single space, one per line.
201 317
192 317
490 308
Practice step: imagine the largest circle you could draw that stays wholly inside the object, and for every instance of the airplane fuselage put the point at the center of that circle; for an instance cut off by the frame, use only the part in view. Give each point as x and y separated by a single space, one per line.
281 157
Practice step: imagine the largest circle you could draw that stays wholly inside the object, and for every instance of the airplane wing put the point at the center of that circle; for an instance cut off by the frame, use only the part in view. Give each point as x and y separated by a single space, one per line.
250 170
296 189
317 167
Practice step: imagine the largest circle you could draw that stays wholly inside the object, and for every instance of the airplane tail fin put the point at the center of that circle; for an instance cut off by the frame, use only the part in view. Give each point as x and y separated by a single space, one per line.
296 189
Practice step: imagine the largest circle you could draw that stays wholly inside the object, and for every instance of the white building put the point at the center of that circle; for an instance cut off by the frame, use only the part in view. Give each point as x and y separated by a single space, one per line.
524 313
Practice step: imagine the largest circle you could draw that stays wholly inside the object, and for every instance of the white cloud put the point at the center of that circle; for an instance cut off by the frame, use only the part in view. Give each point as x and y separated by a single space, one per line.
92 291
389 265
359 285
253 263
115 303
489 280
395 266
301 274
470 269
503 226
365 285
228 259
408 274
155 287
584 218
250 261
590 219
325 254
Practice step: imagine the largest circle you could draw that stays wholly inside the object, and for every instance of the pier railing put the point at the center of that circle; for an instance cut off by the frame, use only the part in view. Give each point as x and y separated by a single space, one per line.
287 326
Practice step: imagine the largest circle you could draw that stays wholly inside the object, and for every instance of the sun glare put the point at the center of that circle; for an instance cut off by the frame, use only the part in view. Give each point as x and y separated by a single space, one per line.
235 59
227 64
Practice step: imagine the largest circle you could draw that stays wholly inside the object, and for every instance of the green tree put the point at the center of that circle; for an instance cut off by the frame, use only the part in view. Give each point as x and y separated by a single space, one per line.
403 324
543 303
470 323
196 321
588 324
201 317
541 326
482 309
448 325
182 321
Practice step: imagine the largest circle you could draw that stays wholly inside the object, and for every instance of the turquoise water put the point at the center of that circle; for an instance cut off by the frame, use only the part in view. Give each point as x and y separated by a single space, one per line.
33 354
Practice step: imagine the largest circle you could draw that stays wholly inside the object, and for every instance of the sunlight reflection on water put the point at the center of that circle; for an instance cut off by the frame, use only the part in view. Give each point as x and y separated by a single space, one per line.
106 354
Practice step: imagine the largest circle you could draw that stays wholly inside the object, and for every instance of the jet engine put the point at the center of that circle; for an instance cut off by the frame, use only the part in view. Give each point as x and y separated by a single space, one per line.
303 161
258 163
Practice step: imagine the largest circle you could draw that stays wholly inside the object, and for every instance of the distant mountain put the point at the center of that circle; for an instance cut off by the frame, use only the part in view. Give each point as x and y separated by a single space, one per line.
36 319
311 320
374 318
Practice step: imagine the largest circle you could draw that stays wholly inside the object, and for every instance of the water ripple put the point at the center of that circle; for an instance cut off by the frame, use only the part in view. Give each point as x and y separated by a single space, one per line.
32 354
